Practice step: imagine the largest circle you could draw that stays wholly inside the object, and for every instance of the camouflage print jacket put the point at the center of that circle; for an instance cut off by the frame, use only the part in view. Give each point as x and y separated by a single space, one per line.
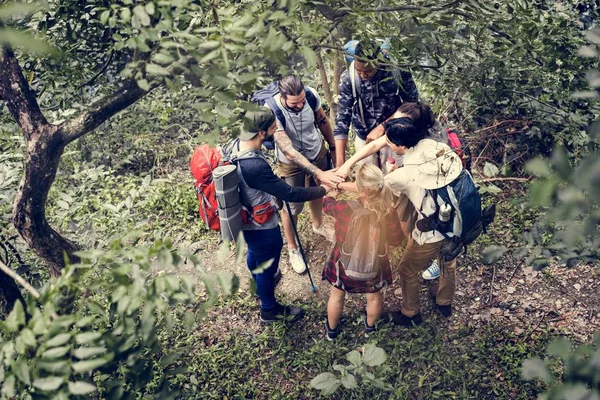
380 96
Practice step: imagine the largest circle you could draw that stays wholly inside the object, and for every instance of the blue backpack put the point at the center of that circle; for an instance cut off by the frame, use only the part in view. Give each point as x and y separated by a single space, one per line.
265 96
467 219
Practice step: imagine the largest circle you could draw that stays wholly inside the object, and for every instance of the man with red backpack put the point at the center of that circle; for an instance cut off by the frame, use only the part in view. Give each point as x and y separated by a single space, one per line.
257 185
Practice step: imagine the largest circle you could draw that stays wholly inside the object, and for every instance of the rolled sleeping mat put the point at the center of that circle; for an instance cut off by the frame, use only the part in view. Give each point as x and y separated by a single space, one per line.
231 222
228 201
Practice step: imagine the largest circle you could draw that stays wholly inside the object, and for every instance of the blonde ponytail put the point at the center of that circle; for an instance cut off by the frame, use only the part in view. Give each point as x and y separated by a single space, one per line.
378 195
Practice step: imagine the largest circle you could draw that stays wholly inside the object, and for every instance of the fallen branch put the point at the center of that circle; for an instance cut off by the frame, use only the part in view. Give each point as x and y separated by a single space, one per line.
505 179
492 285
19 280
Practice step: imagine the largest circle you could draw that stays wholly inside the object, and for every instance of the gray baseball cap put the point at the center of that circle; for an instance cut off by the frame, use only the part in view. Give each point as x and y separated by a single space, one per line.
256 121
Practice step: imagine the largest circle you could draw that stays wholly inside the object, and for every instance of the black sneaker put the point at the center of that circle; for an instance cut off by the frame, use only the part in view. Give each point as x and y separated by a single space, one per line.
369 329
281 313
402 320
332 334
445 311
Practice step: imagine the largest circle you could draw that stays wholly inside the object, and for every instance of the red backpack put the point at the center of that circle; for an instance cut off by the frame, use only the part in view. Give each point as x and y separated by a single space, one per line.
461 148
204 161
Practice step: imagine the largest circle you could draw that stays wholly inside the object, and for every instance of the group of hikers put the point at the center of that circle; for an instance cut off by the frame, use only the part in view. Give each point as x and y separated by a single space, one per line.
400 158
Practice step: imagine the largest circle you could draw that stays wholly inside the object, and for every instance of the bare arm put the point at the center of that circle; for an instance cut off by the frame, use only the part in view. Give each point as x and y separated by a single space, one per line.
366 151
348 187
325 127
340 151
284 144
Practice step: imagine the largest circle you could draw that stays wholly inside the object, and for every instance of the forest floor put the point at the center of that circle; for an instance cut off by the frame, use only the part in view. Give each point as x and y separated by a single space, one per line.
503 314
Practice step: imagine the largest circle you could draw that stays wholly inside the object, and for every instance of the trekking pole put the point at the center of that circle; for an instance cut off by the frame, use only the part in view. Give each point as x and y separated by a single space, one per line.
289 211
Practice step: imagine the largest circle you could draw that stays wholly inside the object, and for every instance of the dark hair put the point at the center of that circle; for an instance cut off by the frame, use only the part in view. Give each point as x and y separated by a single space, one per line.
368 50
402 132
290 85
420 114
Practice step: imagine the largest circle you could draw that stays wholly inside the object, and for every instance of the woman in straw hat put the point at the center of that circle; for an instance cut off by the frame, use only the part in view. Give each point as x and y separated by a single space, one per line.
428 164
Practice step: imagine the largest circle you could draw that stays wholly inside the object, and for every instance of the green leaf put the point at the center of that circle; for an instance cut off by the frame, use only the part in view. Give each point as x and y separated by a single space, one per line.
373 355
141 14
57 367
354 358
533 369
56 352
125 14
490 170
87 337
8 386
58 340
149 7
16 318
48 384
492 254
21 371
310 55
326 382
27 42
87 352
104 17
28 337
155 69
80 388
14 9
349 381
89 365
593 35
559 348
538 167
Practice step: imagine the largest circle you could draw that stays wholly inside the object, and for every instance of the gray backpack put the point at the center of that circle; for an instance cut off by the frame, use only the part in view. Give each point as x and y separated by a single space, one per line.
364 245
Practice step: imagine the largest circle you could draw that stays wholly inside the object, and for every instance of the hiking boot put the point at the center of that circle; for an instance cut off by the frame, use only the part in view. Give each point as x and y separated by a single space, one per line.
432 272
402 320
369 329
281 313
296 261
325 230
445 311
332 334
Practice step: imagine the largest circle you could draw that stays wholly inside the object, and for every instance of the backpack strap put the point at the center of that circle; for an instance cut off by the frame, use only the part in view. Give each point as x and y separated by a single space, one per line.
311 99
277 111
355 81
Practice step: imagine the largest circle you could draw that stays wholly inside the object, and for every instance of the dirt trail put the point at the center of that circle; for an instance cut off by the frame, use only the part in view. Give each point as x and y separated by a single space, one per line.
564 300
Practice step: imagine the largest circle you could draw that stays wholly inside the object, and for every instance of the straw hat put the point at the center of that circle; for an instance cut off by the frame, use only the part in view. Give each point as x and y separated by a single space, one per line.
435 163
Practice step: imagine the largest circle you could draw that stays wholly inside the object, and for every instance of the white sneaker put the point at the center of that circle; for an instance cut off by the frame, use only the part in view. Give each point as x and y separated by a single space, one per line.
296 261
325 230
432 272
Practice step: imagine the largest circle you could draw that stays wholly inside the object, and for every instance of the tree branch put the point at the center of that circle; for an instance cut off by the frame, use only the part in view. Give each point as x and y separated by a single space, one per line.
330 13
19 280
101 110
428 7
16 93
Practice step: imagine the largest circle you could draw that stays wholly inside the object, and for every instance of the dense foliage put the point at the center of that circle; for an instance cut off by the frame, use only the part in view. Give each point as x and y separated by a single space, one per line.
504 73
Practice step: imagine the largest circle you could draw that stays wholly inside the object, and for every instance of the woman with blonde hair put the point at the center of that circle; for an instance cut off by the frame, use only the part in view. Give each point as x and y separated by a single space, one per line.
358 263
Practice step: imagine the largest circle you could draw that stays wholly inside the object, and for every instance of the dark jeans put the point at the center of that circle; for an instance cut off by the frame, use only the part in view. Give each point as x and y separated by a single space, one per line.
264 245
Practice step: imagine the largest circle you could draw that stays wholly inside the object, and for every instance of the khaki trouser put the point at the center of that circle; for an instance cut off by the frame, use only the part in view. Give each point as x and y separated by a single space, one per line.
295 177
414 261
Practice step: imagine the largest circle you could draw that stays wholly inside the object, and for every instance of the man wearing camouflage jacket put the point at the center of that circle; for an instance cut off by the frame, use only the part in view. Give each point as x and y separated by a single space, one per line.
380 90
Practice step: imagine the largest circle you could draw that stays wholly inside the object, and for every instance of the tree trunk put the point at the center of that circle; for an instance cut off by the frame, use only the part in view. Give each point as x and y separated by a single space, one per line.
326 87
44 149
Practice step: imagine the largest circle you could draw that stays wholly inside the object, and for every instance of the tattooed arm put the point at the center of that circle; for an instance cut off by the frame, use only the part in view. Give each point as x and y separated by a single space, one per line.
284 144
325 127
